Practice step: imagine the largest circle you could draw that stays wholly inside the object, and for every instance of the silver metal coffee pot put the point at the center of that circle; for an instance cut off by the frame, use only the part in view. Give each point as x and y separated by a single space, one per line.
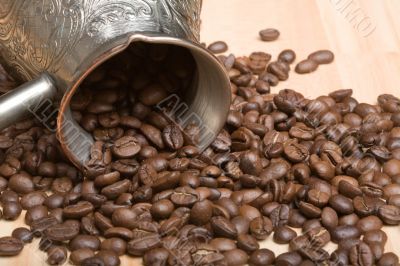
52 45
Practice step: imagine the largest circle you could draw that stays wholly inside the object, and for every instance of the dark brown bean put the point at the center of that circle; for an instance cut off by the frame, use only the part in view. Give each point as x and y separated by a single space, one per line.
218 47
223 227
139 246
61 232
269 34
306 66
262 256
322 57
361 254
288 56
114 244
10 246
284 235
84 241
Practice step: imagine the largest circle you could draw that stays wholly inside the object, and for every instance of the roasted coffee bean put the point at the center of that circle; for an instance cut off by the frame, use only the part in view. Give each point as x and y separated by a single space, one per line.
109 257
40 225
314 254
11 210
218 47
156 256
97 261
114 190
88 226
124 217
125 167
338 95
201 212
369 223
114 244
78 210
54 201
247 243
33 199
152 94
318 236
296 219
349 190
10 246
61 185
288 56
120 232
223 244
365 206
377 250
184 196
340 257
361 254
153 134
300 242
317 198
61 232
23 234
345 232
388 259
375 236
10 166
235 257
269 34
279 69
57 255
389 214
348 243
295 152
35 213
288 258
249 212
241 224
309 210
21 183
306 66
173 137
84 241
280 215
322 57
329 218
139 246
262 256
284 235
261 227
311 224
126 147
250 163
223 227
341 204
162 209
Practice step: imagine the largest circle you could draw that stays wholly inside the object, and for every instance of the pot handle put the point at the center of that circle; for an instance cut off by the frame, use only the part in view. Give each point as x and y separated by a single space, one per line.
26 99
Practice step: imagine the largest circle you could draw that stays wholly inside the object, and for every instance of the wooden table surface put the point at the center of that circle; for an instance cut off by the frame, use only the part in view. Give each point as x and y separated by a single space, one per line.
363 34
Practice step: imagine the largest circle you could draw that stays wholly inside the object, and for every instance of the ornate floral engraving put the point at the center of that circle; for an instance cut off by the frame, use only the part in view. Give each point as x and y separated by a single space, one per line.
186 13
40 35
117 13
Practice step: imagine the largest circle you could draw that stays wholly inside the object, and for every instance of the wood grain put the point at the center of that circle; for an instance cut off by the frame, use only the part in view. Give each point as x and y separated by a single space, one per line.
370 65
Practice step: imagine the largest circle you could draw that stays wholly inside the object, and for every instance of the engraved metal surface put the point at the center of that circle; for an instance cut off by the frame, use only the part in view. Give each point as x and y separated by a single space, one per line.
39 35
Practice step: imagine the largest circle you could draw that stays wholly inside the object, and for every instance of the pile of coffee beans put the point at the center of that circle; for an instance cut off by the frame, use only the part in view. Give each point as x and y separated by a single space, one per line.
329 166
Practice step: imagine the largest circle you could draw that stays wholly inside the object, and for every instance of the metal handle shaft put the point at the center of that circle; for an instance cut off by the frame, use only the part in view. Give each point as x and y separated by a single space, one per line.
24 100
